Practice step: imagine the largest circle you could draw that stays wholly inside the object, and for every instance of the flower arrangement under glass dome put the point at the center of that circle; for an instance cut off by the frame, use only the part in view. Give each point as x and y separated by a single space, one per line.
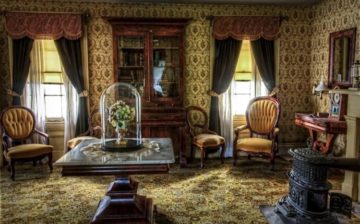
120 106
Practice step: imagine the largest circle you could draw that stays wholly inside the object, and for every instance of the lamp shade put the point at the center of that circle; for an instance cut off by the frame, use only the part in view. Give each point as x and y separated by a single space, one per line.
321 87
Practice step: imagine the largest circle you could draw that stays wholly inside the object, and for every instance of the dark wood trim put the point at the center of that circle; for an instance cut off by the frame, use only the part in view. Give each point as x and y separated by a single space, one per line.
117 170
146 21
351 34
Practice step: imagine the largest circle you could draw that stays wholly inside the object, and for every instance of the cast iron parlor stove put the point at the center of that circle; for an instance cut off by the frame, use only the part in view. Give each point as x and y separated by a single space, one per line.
307 201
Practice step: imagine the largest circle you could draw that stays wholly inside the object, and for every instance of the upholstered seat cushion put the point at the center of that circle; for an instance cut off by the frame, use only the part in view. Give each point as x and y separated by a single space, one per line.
75 141
208 140
254 145
28 151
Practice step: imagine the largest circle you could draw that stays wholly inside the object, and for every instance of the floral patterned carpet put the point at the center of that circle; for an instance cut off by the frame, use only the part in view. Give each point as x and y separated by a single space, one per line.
216 194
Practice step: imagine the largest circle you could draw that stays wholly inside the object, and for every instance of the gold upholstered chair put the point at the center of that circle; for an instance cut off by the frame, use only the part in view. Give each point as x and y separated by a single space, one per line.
18 127
93 132
201 137
262 115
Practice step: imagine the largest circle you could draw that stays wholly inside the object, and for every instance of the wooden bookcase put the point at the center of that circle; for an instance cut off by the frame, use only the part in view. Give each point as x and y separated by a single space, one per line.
149 54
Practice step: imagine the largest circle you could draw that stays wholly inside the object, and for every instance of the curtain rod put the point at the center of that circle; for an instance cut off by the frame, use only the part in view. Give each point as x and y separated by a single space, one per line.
286 18
86 15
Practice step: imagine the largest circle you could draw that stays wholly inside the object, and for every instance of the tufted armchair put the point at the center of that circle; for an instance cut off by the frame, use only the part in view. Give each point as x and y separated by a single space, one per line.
201 137
262 115
18 126
93 132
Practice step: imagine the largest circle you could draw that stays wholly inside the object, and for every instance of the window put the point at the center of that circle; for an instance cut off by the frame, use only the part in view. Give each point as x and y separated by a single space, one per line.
52 80
247 81
46 81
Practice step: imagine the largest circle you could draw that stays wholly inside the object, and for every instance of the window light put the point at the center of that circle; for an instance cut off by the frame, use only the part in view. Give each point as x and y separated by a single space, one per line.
243 71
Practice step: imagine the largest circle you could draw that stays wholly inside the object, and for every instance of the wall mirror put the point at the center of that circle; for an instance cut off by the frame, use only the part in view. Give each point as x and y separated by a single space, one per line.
341 57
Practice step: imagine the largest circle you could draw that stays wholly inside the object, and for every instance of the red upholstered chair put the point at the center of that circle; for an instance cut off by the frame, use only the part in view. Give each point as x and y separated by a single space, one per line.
262 115
201 137
18 126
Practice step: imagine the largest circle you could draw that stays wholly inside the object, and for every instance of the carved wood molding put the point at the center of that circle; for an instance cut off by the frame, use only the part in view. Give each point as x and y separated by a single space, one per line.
246 27
43 25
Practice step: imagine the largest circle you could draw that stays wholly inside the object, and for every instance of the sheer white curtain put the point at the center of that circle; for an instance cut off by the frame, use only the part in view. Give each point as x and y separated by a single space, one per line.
34 91
71 111
226 119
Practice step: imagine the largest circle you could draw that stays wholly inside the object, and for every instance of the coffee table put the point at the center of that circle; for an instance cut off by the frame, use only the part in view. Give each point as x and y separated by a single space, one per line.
121 203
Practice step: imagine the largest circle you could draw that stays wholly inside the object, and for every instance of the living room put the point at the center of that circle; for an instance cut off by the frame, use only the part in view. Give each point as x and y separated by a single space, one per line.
217 193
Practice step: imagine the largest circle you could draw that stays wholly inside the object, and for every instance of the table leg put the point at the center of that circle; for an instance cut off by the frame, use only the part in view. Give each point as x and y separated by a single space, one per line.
313 136
122 204
182 151
327 147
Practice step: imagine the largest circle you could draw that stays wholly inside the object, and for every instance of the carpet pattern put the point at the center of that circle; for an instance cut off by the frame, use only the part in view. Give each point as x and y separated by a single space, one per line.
217 194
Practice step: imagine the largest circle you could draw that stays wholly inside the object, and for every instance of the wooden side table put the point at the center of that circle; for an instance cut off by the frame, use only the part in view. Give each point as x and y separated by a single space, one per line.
329 126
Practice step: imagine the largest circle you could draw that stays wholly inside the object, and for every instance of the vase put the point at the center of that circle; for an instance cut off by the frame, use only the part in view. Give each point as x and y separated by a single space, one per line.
121 132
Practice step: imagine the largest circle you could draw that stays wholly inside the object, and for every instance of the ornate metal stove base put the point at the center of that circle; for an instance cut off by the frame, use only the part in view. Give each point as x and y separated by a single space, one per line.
273 217
285 209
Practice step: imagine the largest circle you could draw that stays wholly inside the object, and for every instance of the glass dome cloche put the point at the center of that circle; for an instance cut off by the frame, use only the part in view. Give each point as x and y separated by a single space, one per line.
120 108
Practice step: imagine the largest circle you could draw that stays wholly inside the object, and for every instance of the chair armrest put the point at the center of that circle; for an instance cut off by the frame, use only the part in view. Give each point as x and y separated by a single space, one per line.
241 128
211 132
238 130
46 136
276 131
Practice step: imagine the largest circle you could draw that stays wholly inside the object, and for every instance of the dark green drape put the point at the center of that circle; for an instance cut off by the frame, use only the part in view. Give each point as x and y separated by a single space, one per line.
70 55
264 54
21 65
226 56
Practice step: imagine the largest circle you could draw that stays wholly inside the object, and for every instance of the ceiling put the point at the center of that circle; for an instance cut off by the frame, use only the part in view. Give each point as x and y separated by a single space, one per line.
272 2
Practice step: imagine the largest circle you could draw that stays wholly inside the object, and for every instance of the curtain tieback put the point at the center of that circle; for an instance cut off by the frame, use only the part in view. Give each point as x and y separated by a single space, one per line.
213 93
12 93
84 93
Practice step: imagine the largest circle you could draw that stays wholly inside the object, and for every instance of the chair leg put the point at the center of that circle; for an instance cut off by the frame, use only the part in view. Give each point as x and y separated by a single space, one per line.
191 153
12 166
202 150
235 156
222 153
50 161
272 161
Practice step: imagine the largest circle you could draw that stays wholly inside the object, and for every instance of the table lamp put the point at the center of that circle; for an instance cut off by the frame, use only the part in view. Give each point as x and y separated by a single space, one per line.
320 88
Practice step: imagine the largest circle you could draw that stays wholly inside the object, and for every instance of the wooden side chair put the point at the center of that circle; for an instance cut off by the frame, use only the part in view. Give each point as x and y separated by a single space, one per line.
262 115
93 132
201 137
18 126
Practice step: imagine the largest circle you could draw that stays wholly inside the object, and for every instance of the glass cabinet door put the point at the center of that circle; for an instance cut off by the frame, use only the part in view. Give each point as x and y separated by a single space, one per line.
130 58
166 67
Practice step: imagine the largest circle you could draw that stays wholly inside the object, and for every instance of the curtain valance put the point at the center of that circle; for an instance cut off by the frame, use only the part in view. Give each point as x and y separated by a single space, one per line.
246 27
43 25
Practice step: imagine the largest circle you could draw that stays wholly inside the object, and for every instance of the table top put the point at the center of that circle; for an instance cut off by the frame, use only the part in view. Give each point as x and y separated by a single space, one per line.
89 153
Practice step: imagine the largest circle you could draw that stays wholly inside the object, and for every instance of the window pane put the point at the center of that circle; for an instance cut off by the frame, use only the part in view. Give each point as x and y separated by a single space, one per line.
53 106
242 87
240 103
52 61
52 77
244 65
49 45
52 89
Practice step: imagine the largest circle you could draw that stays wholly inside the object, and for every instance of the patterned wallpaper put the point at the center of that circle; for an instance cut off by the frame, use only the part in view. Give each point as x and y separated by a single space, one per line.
296 66
331 16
